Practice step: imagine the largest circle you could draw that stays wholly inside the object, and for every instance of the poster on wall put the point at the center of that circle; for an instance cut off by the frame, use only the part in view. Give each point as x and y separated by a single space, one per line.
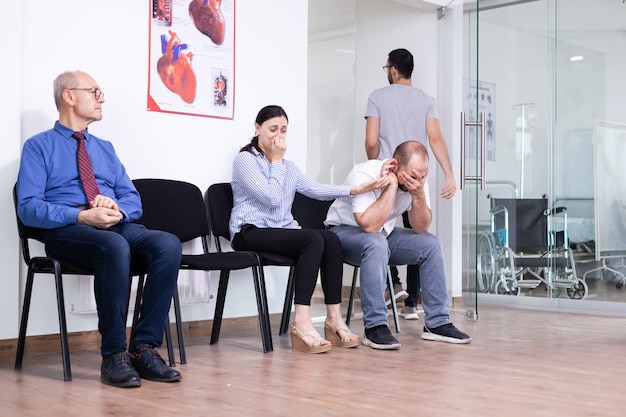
191 58
481 97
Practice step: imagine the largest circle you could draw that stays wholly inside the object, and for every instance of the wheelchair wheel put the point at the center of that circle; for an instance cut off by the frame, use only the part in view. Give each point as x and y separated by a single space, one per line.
578 291
486 263
507 287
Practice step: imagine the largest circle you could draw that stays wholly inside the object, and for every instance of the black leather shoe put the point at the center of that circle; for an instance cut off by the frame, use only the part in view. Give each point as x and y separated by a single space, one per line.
117 370
150 365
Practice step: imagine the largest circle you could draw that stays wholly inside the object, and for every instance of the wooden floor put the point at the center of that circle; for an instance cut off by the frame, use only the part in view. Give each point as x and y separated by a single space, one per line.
520 363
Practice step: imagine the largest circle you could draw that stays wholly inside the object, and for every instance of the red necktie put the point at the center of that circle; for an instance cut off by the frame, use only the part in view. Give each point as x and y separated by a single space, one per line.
85 169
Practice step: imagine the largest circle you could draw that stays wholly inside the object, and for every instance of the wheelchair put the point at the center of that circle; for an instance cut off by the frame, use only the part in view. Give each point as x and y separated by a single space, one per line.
523 250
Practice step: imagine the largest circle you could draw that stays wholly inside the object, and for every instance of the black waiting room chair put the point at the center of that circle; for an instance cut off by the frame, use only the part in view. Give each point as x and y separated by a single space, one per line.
49 265
219 199
178 207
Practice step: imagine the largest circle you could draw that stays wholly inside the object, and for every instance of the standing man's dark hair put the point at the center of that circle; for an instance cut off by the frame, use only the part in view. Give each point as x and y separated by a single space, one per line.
402 60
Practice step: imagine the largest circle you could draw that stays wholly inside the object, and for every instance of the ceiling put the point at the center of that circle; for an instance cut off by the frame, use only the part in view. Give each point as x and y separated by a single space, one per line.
576 19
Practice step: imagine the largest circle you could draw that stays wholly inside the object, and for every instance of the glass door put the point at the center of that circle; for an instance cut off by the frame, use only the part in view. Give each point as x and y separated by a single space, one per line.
507 152
472 160
511 246
548 76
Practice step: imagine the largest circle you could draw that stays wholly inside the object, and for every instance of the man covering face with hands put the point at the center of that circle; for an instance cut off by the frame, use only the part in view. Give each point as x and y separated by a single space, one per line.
365 225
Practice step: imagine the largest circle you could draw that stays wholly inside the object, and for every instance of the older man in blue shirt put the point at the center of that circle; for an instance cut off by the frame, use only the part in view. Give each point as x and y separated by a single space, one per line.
99 233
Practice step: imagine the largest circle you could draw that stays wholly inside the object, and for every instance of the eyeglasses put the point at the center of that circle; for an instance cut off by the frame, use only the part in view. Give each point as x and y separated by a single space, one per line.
387 66
97 93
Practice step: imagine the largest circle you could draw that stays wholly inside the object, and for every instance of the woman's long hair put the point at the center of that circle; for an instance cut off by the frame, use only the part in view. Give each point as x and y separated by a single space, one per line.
265 113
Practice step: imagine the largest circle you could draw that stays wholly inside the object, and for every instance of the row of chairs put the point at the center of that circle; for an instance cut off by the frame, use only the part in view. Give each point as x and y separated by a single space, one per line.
179 208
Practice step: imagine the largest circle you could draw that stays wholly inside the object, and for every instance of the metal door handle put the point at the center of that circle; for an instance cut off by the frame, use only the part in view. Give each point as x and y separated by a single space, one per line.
481 125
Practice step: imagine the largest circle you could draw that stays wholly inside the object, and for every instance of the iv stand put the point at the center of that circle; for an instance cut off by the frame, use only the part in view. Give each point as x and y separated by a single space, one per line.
523 107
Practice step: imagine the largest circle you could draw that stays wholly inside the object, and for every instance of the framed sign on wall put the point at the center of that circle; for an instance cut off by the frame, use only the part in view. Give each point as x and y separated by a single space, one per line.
191 59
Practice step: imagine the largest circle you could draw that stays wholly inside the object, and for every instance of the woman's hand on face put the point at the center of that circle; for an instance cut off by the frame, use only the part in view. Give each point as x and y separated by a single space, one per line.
366 187
389 167
277 149
387 177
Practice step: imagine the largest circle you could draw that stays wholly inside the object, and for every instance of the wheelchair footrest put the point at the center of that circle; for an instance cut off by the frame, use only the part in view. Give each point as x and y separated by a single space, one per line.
564 283
528 283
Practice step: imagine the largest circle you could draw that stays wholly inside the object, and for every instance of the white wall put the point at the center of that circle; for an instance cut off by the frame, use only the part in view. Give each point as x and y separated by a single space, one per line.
9 154
109 40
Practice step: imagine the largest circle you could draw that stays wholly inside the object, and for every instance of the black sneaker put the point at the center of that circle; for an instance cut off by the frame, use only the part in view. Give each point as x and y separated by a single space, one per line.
379 337
116 370
150 365
446 333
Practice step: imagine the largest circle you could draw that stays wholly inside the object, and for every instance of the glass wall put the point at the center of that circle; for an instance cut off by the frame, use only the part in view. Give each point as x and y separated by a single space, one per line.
591 134
548 75
331 90
550 81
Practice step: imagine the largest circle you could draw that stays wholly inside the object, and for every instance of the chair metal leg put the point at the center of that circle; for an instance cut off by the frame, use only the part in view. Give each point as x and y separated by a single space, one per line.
168 331
284 322
130 287
352 290
264 294
138 297
219 306
65 349
170 343
394 307
21 340
179 328
134 321
261 302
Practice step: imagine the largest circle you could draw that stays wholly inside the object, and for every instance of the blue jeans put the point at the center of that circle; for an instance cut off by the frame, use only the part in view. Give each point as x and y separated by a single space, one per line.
108 253
374 252
412 274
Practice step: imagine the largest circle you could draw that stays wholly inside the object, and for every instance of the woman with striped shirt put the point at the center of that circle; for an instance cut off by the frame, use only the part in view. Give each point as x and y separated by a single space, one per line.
264 185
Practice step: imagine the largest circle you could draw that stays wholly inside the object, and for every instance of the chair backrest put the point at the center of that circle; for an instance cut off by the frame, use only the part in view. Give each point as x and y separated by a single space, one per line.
173 206
25 232
219 199
308 212
528 223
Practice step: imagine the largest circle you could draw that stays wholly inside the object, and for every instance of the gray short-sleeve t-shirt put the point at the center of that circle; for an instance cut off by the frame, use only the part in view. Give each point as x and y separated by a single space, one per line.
402 111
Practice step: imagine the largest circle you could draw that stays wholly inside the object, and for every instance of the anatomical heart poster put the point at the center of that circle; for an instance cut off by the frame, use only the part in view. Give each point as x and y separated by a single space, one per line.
192 57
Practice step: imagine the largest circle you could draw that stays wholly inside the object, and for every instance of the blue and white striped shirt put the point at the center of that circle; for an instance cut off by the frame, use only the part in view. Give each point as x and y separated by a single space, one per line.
263 193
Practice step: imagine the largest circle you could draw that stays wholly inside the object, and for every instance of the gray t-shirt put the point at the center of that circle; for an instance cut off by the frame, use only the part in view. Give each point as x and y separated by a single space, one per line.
402 111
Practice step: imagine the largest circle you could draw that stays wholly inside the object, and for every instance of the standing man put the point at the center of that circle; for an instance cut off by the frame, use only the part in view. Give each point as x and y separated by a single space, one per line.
394 114
365 226
72 185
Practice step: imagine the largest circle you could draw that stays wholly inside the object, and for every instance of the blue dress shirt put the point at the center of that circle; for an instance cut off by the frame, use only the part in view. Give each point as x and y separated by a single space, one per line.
49 189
